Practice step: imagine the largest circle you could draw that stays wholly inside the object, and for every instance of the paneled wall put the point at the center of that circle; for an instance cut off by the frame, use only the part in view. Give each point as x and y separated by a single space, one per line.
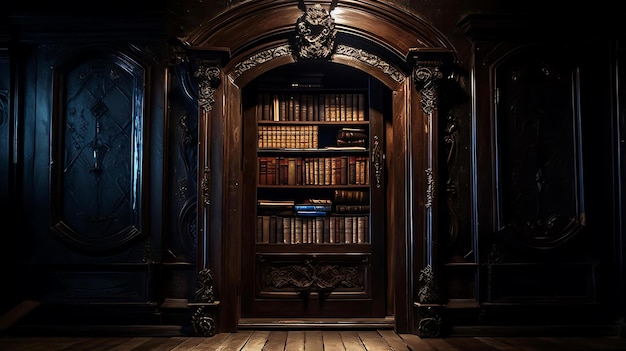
106 140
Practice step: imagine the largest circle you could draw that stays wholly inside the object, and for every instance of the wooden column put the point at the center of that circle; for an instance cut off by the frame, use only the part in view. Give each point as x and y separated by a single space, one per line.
429 66
208 74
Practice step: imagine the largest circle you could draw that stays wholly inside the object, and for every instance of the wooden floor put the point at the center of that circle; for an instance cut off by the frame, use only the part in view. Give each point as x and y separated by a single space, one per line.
311 340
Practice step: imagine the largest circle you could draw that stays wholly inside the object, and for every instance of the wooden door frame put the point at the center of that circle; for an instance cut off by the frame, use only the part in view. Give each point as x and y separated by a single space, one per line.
413 147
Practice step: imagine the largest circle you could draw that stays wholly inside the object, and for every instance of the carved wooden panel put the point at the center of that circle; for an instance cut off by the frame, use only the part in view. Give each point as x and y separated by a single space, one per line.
98 154
306 273
538 149
182 171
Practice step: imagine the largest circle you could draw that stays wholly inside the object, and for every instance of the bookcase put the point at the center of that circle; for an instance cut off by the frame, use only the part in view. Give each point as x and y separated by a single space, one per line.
314 241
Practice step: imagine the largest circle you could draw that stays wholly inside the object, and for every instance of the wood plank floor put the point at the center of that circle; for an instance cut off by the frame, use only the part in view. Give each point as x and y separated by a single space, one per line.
311 340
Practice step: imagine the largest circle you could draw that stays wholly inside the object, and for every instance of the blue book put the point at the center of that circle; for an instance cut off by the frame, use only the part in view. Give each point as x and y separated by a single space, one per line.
311 213
310 207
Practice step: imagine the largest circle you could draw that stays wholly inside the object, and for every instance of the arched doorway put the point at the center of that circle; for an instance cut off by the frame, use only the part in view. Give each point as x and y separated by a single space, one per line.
374 39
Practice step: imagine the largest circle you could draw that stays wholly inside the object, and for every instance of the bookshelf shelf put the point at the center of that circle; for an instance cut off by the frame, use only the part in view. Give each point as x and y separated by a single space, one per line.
312 151
314 249
291 187
321 123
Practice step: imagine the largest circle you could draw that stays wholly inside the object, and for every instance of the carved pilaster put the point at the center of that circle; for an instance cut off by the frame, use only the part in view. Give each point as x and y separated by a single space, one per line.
208 74
429 68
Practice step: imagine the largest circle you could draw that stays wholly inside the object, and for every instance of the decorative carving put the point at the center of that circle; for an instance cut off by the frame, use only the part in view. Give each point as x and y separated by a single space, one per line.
451 141
425 79
315 34
428 307
206 186
186 229
429 321
377 159
100 159
313 276
371 60
205 291
430 188
428 286
208 79
285 50
260 58
203 322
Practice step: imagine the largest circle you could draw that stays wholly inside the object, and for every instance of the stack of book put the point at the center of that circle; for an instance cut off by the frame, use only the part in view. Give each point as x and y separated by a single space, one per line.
352 220
279 207
351 137
351 201
313 207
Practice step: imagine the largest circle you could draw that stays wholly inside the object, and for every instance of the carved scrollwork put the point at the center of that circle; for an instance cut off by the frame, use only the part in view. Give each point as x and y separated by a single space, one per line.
425 79
430 188
430 322
377 159
372 60
260 58
429 287
309 276
315 34
208 79
203 322
206 289
206 187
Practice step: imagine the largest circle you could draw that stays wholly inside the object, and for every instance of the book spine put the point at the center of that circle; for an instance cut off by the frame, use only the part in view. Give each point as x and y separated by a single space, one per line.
321 208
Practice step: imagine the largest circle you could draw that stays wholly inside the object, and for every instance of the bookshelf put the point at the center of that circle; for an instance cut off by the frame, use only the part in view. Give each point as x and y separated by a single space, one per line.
317 199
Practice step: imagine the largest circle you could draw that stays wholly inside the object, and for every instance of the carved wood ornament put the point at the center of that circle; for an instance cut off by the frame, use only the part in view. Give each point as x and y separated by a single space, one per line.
315 33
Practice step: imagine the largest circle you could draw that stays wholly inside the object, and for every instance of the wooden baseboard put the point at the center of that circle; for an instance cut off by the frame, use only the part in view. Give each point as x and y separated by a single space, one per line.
316 323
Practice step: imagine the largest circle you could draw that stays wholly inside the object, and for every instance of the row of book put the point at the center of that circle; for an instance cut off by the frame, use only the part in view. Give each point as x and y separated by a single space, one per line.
340 106
275 229
288 137
337 170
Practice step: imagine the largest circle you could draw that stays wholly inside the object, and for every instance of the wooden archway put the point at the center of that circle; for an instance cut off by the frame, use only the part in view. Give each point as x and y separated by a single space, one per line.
396 48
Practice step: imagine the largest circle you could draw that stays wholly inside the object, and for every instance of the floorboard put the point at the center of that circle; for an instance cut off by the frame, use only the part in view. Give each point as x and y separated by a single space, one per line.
311 340
332 341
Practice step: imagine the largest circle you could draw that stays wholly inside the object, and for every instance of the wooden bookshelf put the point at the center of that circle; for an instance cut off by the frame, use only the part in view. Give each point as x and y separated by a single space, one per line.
316 230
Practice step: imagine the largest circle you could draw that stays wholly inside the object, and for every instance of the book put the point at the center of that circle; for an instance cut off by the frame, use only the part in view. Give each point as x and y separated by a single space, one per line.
312 207
351 196
269 202
286 206
344 208
317 201
346 148
350 134
310 213
357 142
